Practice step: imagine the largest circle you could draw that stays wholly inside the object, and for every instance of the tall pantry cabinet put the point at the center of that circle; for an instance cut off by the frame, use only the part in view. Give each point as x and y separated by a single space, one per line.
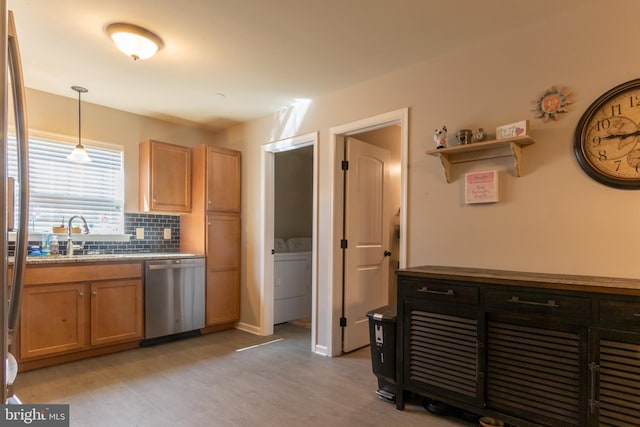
213 228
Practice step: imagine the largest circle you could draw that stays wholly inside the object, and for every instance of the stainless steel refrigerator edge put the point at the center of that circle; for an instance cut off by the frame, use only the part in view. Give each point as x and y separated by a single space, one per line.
173 296
11 77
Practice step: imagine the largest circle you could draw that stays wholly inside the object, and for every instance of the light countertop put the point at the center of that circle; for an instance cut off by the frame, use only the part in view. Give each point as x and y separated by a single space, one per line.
63 259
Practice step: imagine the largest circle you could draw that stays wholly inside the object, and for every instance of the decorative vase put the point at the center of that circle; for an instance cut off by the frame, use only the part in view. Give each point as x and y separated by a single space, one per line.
464 136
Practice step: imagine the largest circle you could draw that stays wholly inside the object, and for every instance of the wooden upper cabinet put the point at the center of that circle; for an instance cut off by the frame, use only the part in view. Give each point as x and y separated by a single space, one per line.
223 180
165 177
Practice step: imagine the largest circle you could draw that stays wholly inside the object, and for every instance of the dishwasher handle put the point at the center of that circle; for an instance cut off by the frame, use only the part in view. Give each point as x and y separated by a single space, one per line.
173 266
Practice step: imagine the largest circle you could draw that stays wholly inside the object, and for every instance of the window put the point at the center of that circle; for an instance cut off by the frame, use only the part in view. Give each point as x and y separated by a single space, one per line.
60 189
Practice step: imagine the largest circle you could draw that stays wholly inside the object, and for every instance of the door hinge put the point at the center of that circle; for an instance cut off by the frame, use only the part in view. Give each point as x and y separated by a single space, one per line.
345 165
343 322
343 244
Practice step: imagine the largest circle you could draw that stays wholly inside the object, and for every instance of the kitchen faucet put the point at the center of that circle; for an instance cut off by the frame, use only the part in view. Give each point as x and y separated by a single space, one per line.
70 246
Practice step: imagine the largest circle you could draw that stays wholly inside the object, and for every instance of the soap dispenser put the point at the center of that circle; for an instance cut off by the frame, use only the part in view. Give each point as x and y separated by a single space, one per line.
46 244
54 247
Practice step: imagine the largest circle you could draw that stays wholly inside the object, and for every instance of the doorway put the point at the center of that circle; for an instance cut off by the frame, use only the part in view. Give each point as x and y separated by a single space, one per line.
293 228
289 232
377 130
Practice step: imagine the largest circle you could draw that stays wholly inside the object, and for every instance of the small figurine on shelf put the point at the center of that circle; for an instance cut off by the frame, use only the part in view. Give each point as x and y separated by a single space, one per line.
440 137
480 135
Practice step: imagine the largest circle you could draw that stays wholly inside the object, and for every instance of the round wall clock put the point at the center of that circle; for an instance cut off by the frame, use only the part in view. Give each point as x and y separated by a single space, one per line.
607 138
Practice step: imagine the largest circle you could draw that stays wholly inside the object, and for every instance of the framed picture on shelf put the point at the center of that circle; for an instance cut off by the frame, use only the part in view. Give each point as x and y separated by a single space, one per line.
511 130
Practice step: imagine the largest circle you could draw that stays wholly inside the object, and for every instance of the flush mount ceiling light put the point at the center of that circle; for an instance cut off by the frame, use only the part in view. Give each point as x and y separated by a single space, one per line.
79 154
136 42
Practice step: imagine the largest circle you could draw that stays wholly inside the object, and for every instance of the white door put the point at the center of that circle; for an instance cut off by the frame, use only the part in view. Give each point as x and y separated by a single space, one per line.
366 264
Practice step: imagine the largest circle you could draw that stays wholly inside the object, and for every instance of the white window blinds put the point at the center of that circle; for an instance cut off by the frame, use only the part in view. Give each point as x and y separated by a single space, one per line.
60 189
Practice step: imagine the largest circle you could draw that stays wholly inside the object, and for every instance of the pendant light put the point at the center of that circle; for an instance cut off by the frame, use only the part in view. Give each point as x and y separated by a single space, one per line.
136 42
79 154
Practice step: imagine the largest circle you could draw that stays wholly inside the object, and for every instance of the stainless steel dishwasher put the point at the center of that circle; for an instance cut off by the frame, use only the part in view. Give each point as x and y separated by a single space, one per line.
174 297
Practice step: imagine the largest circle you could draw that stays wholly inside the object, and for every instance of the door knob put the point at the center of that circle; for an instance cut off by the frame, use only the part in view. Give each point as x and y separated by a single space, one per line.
387 253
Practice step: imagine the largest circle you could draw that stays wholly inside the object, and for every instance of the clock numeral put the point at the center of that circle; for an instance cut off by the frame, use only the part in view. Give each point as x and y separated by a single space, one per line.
602 155
603 124
618 163
616 110
634 101
596 140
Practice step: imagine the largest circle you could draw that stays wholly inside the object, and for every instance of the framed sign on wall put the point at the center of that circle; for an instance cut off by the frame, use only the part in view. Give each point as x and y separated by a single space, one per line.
481 187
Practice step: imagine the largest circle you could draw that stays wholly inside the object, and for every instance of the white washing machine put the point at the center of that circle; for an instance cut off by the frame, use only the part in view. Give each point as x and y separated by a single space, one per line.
292 271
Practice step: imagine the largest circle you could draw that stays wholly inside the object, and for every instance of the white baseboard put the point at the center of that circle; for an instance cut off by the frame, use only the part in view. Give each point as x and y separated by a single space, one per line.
321 350
252 329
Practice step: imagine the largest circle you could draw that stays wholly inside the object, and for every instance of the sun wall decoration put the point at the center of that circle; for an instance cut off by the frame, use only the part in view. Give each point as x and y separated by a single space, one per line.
551 103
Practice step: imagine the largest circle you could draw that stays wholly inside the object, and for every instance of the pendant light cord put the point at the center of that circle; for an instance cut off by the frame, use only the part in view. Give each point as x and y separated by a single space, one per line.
78 154
80 91
79 119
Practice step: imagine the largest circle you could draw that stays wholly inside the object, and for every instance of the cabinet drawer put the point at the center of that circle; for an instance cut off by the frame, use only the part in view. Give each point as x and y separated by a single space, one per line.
440 291
549 304
620 312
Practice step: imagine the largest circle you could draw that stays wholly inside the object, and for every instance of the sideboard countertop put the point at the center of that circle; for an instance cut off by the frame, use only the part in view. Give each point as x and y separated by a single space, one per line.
523 278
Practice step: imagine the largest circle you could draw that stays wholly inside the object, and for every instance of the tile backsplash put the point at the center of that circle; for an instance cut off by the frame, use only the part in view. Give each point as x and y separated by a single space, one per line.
154 226
153 241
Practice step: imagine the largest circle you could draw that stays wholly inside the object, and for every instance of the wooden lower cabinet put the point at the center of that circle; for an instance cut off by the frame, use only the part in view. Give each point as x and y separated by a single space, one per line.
223 269
67 320
442 344
53 320
116 311
614 395
531 349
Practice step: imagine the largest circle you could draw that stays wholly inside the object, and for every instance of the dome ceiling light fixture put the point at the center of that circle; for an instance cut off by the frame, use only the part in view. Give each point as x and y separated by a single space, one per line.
136 42
79 154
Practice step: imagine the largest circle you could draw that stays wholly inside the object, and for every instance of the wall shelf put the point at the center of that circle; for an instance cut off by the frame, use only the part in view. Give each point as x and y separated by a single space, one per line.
507 147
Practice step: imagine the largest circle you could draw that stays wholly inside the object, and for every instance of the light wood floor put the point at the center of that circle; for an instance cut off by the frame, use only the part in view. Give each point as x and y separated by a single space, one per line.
204 381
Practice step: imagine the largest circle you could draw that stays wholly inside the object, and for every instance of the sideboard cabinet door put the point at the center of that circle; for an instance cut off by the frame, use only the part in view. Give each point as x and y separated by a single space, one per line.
441 341
537 355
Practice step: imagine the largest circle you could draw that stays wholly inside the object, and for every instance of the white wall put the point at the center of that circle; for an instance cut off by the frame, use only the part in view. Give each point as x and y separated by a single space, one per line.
552 219
293 196
56 114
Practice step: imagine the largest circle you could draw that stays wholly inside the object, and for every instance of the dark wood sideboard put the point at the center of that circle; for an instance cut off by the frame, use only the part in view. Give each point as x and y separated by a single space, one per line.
529 348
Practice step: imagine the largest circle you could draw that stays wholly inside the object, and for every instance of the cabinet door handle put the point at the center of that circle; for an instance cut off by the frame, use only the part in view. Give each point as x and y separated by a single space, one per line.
636 315
94 293
549 303
431 291
81 294
595 374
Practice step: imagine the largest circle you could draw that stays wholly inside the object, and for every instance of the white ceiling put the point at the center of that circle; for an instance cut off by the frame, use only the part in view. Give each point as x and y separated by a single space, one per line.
261 55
